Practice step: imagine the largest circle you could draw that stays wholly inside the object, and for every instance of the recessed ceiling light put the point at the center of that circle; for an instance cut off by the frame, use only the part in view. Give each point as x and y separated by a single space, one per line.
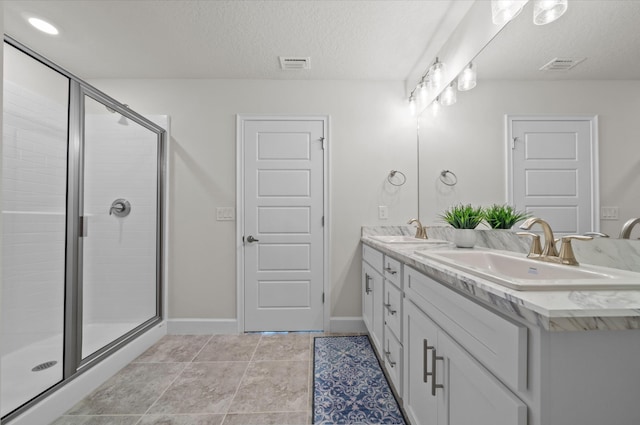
43 26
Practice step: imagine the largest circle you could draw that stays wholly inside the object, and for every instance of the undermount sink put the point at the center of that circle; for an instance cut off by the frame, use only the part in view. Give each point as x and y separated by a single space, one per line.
406 239
526 274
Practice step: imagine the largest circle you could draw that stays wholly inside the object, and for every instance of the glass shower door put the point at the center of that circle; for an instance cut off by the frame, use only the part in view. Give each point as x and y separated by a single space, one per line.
120 211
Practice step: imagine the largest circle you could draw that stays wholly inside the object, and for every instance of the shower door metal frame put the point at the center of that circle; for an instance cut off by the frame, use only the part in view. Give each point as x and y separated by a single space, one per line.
74 365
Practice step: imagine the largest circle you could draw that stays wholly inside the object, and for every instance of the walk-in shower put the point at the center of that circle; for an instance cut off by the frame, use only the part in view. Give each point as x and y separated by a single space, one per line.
82 186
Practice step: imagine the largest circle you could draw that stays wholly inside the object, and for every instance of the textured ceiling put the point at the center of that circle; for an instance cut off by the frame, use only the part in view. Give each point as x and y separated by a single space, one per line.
370 40
606 32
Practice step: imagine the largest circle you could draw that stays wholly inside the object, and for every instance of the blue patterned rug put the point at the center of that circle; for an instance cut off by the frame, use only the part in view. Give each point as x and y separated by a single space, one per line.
349 386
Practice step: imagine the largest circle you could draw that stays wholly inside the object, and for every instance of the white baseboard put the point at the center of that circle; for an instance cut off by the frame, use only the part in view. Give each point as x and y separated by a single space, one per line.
230 326
347 325
55 405
202 326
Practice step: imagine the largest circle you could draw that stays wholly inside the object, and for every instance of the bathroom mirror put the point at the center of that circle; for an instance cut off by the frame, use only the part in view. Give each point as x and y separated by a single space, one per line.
469 137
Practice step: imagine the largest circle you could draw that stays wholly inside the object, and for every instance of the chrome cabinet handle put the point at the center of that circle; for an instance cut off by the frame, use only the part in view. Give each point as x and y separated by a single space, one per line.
390 270
435 386
367 288
425 365
388 356
388 306
251 239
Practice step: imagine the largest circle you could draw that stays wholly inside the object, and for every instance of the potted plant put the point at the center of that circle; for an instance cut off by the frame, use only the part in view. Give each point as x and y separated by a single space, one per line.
463 218
503 216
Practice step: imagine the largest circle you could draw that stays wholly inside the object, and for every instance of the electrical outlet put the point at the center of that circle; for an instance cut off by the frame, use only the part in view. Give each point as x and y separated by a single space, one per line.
609 213
225 214
383 212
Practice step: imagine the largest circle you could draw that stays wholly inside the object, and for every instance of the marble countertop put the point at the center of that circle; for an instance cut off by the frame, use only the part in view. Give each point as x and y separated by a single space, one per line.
551 310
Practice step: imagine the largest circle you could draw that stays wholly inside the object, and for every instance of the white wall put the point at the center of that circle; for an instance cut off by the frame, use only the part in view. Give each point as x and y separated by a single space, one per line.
469 139
370 134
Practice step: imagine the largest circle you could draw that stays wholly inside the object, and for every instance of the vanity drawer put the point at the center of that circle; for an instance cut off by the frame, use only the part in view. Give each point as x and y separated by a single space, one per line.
393 360
372 256
393 270
393 309
498 343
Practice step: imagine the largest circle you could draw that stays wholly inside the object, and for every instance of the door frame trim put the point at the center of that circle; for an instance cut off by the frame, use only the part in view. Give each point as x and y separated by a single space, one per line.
595 165
240 120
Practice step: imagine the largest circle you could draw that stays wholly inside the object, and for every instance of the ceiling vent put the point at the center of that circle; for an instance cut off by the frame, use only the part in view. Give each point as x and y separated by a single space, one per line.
289 63
562 64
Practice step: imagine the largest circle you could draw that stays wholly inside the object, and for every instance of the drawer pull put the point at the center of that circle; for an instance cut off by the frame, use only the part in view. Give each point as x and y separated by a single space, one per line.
387 354
392 312
390 270
435 386
425 364
367 288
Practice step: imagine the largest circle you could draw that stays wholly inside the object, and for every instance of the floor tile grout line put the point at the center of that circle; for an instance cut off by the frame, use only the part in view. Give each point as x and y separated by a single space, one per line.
186 364
202 348
241 379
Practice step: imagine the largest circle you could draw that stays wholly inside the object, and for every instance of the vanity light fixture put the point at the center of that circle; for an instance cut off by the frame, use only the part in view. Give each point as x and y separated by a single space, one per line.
423 89
502 11
449 95
435 74
547 11
44 26
467 78
435 106
412 105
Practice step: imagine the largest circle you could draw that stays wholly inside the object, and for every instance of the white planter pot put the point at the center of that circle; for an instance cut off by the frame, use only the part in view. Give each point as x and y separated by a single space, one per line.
464 238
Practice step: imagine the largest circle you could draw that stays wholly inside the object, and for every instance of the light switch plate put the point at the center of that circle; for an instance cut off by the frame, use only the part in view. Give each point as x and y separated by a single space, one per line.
225 214
609 213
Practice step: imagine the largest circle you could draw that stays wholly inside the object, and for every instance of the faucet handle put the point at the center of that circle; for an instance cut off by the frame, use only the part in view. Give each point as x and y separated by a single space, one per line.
566 250
536 248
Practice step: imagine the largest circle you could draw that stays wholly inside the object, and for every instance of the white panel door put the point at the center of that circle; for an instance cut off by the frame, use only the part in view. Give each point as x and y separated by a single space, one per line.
283 225
552 172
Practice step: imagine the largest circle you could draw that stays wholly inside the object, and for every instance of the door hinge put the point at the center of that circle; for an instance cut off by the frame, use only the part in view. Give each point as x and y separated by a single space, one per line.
83 224
322 139
323 298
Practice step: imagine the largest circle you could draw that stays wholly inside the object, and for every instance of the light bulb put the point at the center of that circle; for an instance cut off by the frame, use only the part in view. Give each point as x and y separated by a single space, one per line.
449 96
502 11
423 91
467 78
547 11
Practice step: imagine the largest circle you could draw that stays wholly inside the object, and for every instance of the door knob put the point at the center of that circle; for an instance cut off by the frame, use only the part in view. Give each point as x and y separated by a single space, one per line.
252 239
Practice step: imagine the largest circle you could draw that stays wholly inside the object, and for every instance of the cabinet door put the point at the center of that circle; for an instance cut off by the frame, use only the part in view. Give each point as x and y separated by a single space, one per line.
372 303
419 333
473 395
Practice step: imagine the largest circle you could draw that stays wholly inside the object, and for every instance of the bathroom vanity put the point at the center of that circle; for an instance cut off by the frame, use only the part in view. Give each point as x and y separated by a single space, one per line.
461 349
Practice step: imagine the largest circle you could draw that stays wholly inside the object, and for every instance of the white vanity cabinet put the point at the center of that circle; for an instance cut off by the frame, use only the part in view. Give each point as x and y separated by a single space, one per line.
444 383
372 295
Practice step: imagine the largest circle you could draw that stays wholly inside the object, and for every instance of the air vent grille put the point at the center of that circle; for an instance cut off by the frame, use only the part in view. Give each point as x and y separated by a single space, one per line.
289 63
562 64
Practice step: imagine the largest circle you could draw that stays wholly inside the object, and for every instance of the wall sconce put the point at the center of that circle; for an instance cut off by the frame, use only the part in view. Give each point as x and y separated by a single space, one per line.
449 95
467 78
547 11
435 106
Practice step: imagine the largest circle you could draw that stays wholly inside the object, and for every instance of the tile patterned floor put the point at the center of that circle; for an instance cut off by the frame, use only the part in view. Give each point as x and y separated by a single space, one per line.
207 380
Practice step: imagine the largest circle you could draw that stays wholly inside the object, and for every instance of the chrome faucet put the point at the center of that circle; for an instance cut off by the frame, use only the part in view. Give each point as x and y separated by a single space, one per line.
421 231
625 233
549 249
549 252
